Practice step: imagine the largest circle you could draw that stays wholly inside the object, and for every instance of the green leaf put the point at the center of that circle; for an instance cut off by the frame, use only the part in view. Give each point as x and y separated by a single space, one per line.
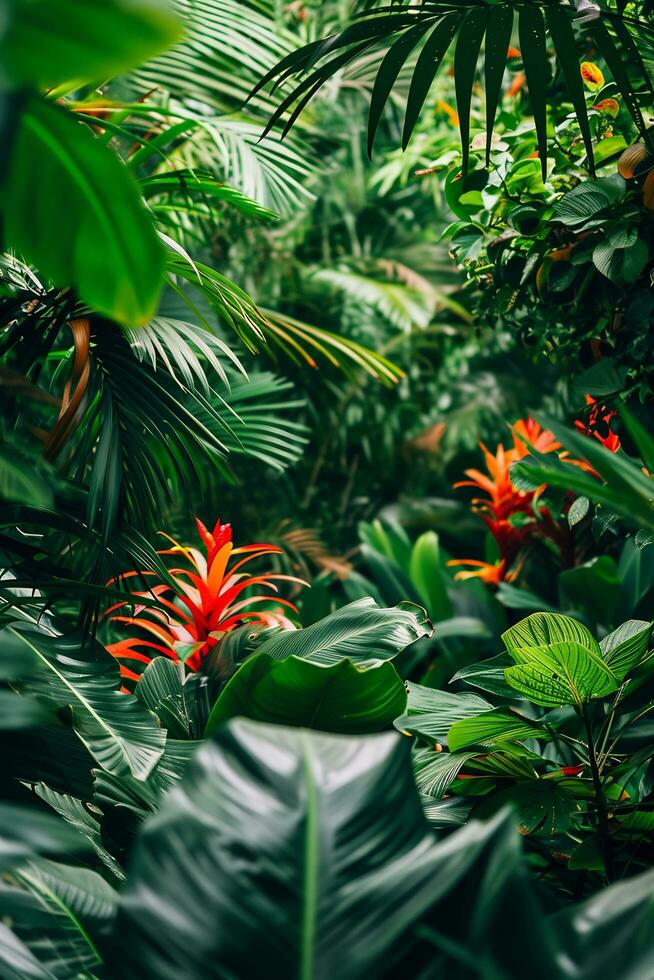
562 34
468 46
80 196
426 574
332 829
339 698
541 807
492 728
119 732
84 819
537 71
427 66
26 833
488 676
560 673
578 510
430 712
389 69
46 44
592 588
620 265
85 893
611 933
180 699
588 199
436 771
626 646
360 631
541 629
498 39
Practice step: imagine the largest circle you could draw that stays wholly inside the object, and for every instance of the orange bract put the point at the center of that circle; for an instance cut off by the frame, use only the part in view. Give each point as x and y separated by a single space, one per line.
503 502
207 603
592 76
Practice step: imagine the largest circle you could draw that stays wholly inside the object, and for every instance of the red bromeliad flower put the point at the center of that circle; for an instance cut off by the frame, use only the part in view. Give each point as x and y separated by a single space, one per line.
506 510
598 425
187 622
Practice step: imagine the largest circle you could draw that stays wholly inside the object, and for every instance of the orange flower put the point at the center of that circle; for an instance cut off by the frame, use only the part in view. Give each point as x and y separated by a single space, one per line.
207 602
490 574
451 113
513 53
611 107
592 76
517 84
598 425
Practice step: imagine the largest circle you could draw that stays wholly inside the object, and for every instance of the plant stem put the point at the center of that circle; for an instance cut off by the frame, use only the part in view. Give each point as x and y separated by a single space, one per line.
602 815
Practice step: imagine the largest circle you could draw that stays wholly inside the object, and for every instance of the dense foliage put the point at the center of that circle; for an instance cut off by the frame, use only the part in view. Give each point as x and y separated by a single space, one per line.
326 510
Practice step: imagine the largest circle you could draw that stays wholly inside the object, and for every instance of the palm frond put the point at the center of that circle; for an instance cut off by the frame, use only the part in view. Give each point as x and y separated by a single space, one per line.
431 28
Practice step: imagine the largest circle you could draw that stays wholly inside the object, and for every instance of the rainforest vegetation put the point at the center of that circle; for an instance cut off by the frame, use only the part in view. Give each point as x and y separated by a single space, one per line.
326 501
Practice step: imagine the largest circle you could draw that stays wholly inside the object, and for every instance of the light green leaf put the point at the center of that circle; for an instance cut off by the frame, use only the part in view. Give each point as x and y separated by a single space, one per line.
541 629
80 196
626 646
560 673
47 43
427 576
493 728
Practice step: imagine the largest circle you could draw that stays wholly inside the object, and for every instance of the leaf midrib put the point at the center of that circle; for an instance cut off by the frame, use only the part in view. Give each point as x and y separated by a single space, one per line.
76 692
310 871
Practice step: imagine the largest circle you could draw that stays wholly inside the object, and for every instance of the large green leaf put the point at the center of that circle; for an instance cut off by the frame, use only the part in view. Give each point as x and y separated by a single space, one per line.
46 44
427 66
360 631
540 806
541 629
118 731
560 673
492 728
610 934
426 573
468 46
431 713
88 228
339 698
626 646
321 838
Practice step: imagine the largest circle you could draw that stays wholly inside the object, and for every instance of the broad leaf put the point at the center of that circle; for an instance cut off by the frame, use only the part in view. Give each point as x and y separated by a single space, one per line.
430 712
427 575
46 44
492 728
80 196
180 699
333 854
118 731
560 673
541 807
360 631
541 629
626 646
339 698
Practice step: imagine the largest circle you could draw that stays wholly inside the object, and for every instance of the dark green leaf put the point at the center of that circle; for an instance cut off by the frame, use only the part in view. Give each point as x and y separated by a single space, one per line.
340 698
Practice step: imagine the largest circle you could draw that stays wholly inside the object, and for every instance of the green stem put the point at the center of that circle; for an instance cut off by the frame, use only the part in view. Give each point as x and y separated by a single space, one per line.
600 802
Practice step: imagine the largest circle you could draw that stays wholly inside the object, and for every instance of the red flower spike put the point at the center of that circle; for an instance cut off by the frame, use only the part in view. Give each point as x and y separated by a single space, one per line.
208 602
